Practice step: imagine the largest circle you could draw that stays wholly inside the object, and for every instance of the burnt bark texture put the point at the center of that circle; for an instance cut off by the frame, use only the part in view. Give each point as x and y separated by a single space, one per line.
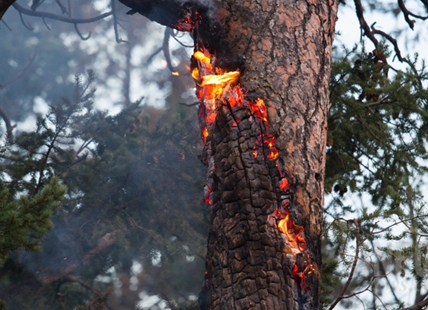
286 49
283 51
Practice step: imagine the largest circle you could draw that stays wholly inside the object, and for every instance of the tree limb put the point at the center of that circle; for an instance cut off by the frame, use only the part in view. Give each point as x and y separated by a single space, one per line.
104 242
418 306
4 5
69 20
407 13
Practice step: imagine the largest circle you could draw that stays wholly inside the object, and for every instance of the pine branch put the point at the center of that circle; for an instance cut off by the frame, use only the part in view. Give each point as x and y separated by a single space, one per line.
354 264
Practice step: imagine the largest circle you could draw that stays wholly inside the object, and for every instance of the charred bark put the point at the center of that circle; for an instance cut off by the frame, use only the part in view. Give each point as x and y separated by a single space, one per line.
283 51
287 53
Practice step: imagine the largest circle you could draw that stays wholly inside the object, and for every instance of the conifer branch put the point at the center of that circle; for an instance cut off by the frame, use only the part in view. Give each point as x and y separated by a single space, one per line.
354 264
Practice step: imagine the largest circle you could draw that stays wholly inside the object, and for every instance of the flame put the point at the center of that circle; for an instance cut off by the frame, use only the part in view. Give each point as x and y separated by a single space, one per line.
205 134
296 242
201 57
220 80
175 73
195 74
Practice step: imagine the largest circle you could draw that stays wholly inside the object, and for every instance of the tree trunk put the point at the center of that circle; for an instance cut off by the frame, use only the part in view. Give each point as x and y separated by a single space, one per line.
287 52
283 52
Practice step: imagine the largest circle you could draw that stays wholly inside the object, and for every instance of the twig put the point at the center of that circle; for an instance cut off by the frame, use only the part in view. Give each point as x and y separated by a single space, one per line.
116 32
23 70
80 34
9 126
418 306
7 26
46 25
359 10
63 8
406 14
69 20
174 36
150 58
165 49
23 21
354 264
189 104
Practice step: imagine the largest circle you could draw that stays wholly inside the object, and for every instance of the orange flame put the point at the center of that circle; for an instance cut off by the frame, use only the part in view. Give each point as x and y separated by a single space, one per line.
201 57
205 134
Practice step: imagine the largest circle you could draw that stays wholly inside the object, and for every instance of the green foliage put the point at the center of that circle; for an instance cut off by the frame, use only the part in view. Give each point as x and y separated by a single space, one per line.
25 221
134 198
377 149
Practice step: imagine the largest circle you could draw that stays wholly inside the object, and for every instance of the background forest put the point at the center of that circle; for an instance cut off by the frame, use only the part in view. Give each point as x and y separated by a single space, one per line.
101 188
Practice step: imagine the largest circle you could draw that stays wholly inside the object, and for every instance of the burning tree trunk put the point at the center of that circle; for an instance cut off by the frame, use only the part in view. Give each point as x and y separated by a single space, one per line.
262 71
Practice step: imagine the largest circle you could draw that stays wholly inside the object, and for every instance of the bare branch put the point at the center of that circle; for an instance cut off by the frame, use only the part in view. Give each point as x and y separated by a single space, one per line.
4 5
9 126
80 281
80 34
24 23
116 33
150 58
407 13
104 242
354 264
7 26
63 8
22 72
364 26
418 306
165 49
69 20
189 104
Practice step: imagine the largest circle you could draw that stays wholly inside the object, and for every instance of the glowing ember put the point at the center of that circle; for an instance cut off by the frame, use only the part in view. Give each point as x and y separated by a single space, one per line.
283 184
175 73
185 24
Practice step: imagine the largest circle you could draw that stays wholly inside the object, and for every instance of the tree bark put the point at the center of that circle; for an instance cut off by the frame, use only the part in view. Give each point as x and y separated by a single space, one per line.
283 51
286 50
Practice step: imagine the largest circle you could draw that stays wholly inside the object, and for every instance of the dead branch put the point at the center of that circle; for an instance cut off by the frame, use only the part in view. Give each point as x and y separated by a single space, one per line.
104 242
189 104
165 49
72 278
4 5
370 32
407 13
364 26
9 126
116 32
354 264
418 306
80 34
24 11
22 72
63 8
